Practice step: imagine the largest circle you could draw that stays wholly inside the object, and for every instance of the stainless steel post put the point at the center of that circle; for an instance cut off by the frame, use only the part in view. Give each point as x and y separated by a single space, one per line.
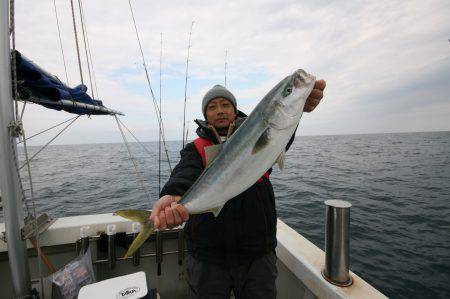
159 251
9 183
111 232
84 239
337 219
135 228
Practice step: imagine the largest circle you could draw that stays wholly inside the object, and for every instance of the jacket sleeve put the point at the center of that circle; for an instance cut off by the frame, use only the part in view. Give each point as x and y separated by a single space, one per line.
185 173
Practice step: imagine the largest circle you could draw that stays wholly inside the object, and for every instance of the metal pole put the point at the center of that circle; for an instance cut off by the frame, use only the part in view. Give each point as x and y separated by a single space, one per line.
337 219
9 183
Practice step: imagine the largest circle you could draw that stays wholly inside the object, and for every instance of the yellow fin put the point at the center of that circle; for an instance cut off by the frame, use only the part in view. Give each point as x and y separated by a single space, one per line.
147 227
135 215
146 231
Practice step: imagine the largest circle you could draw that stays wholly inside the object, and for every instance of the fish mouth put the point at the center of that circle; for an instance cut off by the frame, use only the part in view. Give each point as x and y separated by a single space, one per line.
302 78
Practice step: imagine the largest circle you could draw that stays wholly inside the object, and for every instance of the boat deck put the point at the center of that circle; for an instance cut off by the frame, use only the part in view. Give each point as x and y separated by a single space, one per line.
299 261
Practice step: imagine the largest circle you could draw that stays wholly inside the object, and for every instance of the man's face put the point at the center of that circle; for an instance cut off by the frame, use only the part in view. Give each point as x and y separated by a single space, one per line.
220 113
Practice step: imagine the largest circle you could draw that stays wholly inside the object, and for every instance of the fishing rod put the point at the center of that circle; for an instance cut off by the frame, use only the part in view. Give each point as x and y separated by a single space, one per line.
225 71
160 117
186 81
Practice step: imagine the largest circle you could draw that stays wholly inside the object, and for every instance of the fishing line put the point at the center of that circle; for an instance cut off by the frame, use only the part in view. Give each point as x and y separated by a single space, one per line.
155 104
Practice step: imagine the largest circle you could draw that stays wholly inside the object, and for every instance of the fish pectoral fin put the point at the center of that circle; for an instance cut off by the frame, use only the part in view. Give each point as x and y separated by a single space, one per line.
145 232
215 210
280 160
211 152
262 141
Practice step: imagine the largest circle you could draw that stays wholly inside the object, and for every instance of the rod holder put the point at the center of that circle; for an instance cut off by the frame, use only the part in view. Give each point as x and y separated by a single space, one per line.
159 251
84 239
135 228
111 232
180 246
337 241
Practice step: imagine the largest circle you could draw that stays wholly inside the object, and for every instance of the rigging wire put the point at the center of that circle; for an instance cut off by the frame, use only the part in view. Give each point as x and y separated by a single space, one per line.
57 125
135 138
155 104
138 173
89 50
51 140
60 42
185 82
76 41
83 31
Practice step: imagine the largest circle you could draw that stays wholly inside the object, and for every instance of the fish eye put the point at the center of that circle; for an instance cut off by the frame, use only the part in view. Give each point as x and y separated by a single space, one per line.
287 91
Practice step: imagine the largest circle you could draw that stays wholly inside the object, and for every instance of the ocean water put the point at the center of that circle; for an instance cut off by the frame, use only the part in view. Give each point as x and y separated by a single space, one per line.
398 184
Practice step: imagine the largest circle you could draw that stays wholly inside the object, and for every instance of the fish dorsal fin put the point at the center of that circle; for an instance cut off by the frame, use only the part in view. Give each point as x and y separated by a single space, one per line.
211 152
263 140
216 210
280 160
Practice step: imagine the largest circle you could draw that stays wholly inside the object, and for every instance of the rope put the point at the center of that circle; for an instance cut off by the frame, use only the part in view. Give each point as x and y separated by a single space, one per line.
60 41
23 110
155 104
141 180
57 125
85 47
51 140
22 190
76 41
186 81
89 50
140 143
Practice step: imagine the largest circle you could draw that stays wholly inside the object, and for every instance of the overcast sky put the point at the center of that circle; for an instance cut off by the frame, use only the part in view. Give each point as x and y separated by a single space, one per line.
386 63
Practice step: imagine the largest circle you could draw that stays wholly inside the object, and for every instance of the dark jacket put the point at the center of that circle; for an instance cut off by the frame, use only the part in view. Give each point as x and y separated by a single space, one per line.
244 230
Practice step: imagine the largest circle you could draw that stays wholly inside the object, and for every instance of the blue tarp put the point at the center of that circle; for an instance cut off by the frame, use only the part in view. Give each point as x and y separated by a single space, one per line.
42 85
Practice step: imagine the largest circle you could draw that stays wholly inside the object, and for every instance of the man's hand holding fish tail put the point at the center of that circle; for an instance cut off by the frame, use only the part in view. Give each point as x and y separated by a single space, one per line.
167 213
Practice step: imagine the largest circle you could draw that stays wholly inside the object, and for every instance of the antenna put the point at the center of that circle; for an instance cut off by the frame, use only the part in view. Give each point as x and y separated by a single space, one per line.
186 80
226 57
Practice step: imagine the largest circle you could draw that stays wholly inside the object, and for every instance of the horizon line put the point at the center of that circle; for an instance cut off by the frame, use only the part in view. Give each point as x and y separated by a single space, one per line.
316 135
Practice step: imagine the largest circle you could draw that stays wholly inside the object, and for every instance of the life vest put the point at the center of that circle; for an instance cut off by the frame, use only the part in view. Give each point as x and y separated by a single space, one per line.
200 144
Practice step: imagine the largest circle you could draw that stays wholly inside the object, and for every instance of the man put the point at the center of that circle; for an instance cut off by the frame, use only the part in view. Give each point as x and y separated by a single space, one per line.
235 250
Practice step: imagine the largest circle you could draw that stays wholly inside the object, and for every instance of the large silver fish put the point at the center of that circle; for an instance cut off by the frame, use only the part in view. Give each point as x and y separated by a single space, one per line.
257 144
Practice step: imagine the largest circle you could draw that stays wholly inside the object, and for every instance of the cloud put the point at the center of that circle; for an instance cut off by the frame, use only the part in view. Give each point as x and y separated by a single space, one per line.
376 51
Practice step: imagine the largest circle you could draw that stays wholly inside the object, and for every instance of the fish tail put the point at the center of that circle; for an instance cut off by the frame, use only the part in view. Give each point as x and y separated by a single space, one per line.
147 228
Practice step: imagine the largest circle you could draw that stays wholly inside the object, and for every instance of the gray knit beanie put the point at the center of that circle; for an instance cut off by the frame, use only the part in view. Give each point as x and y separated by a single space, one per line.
218 91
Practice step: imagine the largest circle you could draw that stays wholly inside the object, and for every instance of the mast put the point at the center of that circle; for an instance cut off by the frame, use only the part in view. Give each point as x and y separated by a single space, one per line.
9 179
